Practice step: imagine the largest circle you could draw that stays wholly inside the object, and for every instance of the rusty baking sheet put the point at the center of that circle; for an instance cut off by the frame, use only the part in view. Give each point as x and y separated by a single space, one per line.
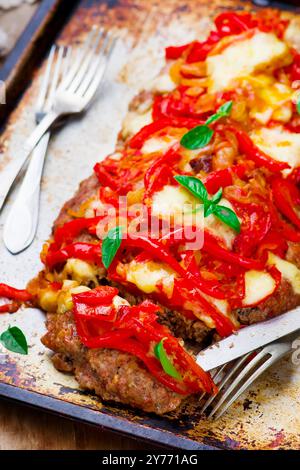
267 416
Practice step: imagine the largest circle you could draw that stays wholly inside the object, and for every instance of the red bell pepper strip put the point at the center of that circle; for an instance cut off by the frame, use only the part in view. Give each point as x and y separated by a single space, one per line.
67 232
84 251
252 152
274 242
222 178
212 247
231 22
100 295
139 139
295 69
256 223
218 179
17 295
159 172
223 324
200 50
286 195
175 52
286 230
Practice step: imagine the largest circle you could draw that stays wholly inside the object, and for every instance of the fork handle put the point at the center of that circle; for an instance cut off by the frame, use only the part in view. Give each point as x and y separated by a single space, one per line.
39 131
21 223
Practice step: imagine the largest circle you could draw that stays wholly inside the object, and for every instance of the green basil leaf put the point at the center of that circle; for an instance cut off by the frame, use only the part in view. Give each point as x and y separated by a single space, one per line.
197 137
216 198
225 109
213 118
227 216
298 105
14 340
110 245
167 365
194 185
208 208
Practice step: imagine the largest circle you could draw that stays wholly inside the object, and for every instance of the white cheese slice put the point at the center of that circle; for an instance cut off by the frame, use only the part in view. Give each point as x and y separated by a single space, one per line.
279 144
134 122
244 58
288 270
258 286
146 276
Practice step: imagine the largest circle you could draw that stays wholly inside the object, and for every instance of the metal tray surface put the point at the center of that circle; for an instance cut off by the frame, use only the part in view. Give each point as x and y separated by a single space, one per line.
268 415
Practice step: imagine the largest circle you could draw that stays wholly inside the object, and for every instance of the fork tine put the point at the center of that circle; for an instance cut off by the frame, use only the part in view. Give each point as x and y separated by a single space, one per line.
67 61
87 62
225 379
99 75
238 379
81 54
55 78
45 80
269 362
99 61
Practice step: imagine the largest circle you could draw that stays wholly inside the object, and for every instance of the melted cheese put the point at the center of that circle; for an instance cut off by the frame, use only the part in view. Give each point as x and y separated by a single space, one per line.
172 200
258 286
158 144
80 271
64 299
134 122
289 271
147 275
164 84
273 99
279 144
244 58
292 33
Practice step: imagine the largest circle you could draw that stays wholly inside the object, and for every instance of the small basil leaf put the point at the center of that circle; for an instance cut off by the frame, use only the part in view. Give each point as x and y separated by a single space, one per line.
110 245
216 198
227 216
14 340
298 105
194 185
166 364
208 208
225 109
197 138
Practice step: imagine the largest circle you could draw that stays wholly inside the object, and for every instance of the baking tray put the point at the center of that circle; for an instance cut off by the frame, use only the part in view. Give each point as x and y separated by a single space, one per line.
268 415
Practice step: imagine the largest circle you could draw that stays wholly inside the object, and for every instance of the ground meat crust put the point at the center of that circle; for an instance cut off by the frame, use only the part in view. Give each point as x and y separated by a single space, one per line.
113 375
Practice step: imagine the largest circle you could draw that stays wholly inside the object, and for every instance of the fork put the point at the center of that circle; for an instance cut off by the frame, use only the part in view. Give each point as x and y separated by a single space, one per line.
73 95
233 378
78 88
25 208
